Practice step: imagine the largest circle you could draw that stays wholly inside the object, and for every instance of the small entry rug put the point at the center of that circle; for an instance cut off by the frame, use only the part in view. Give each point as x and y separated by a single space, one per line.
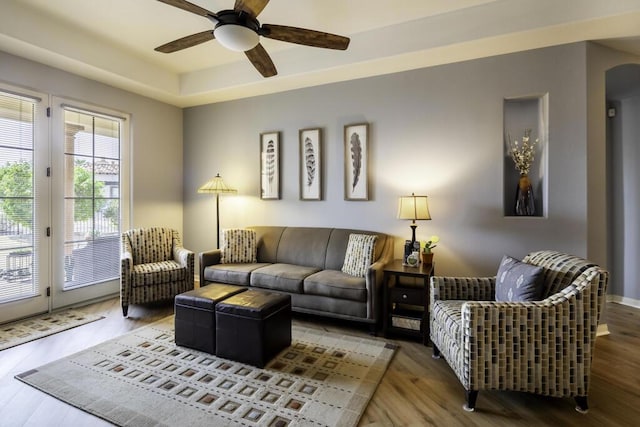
33 328
142 378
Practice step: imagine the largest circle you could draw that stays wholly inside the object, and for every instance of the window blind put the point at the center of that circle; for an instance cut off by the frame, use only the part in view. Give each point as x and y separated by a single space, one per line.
18 277
91 197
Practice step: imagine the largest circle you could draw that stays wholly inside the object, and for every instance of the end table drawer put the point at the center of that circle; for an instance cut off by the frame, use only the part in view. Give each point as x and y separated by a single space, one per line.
408 295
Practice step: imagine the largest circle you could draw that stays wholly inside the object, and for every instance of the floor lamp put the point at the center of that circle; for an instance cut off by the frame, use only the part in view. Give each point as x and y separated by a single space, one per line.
217 186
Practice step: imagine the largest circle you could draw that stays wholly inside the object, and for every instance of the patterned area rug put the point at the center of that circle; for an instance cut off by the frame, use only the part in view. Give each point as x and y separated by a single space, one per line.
33 328
143 378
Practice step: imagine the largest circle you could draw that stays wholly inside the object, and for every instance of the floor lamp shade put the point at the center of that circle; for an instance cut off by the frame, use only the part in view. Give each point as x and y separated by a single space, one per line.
216 186
414 208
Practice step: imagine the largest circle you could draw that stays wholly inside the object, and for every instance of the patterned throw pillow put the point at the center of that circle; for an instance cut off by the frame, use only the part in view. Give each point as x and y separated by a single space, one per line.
359 255
238 246
518 281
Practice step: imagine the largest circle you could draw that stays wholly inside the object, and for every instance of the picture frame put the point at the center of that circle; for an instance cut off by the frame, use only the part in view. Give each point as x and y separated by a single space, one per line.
356 161
270 165
310 164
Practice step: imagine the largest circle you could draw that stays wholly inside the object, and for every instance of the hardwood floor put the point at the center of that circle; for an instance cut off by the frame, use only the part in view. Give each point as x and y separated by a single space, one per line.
416 390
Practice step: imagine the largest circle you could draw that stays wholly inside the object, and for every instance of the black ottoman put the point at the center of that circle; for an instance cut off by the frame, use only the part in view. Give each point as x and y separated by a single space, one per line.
254 326
195 320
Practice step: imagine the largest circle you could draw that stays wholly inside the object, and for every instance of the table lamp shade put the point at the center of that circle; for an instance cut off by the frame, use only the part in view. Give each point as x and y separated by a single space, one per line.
413 207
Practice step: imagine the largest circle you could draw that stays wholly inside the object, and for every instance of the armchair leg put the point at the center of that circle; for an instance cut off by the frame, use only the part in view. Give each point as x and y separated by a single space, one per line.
125 310
471 396
436 352
373 330
581 404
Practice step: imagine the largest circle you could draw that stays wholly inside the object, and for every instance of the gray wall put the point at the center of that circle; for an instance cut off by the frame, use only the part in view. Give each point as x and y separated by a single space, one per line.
435 131
156 136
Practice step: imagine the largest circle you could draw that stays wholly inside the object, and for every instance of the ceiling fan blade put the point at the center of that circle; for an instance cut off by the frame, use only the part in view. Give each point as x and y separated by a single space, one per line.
261 60
252 7
304 36
189 7
185 42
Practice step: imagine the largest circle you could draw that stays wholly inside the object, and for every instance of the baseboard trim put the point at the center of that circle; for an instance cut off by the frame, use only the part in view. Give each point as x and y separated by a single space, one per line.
631 302
603 330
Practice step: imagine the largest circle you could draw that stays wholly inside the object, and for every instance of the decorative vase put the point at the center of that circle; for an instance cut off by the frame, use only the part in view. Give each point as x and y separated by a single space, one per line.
427 258
525 204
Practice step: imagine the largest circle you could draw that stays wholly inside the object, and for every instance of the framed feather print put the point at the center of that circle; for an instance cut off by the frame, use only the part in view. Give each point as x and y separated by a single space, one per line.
270 165
356 169
310 164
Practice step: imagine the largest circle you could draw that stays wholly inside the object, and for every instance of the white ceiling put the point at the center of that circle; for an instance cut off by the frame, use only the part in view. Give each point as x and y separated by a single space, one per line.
112 41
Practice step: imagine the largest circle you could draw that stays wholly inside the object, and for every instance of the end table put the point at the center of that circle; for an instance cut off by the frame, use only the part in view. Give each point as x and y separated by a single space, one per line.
405 305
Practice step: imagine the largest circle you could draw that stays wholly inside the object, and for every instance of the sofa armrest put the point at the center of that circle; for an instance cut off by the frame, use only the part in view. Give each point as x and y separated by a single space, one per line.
548 347
491 359
126 271
462 288
206 259
182 255
373 282
126 262
186 259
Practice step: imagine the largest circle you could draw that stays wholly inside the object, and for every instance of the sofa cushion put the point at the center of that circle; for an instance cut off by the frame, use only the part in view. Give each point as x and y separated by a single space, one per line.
239 245
156 273
518 281
235 274
304 246
281 277
149 245
336 284
359 255
268 240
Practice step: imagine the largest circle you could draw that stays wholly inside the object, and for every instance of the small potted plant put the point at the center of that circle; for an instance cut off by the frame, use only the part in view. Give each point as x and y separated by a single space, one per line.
427 255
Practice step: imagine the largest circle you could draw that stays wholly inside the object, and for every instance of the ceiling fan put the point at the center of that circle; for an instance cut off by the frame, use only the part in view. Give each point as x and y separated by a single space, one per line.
238 29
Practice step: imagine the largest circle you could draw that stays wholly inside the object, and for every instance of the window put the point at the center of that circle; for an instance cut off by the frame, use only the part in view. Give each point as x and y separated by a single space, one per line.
18 277
92 164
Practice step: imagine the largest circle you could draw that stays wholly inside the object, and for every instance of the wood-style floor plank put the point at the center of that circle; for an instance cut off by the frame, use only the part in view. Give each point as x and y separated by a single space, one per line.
416 390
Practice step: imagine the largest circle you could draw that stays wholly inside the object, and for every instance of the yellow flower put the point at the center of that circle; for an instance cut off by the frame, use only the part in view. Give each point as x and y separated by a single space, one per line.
523 155
430 244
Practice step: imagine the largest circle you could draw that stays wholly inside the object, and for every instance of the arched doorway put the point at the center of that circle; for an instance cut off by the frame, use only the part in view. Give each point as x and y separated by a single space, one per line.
623 175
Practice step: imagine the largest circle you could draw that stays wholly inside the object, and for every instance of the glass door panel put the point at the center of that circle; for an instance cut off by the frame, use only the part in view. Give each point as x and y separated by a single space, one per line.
24 195
91 207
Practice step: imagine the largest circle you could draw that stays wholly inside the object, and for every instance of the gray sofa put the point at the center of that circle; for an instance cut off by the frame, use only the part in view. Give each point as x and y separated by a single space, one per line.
306 263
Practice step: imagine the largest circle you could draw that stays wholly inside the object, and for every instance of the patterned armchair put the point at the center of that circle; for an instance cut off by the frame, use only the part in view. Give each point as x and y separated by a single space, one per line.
544 347
155 266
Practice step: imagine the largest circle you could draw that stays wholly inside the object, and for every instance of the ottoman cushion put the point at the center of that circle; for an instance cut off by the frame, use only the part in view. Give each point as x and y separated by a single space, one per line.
195 320
253 326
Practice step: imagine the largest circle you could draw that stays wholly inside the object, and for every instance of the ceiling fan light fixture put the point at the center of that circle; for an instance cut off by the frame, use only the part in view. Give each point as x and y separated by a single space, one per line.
236 37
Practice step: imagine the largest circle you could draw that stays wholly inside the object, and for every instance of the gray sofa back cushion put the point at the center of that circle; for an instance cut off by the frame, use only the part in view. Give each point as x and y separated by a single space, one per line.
304 246
268 241
322 248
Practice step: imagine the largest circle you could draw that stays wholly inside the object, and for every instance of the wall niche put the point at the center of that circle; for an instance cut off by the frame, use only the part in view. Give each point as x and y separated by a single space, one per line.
522 115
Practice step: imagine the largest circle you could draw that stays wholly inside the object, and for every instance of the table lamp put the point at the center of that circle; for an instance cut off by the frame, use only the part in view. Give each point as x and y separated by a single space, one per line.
414 208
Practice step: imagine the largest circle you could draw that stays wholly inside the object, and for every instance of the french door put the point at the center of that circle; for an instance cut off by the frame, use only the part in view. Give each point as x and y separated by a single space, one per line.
24 203
63 202
90 198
